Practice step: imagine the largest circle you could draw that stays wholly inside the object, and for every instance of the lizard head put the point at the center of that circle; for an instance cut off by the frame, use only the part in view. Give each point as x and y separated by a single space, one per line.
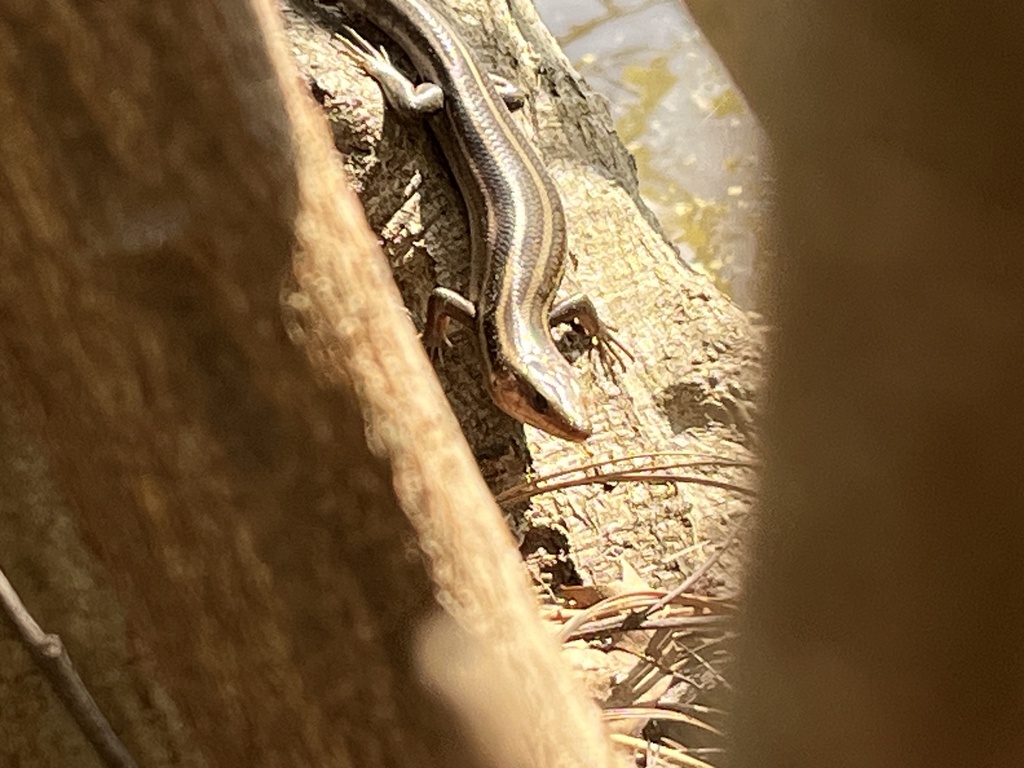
547 397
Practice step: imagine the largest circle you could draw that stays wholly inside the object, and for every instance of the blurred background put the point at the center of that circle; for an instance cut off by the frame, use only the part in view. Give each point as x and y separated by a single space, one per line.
696 144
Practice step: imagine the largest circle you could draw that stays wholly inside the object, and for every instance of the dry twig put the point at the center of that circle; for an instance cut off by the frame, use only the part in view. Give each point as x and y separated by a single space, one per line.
52 658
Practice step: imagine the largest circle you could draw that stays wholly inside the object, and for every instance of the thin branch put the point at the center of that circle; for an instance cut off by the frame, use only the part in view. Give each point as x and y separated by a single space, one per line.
665 753
694 577
656 713
637 476
632 622
545 483
621 607
52 659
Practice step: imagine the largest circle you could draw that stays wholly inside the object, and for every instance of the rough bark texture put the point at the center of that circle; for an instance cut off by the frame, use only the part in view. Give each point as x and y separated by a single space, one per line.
885 605
697 355
188 491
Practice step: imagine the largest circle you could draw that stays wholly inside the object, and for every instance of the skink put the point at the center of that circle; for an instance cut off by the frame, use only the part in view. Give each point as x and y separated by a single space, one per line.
517 226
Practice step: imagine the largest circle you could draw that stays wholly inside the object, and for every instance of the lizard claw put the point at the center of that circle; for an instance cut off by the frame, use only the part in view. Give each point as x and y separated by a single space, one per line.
363 51
611 353
436 345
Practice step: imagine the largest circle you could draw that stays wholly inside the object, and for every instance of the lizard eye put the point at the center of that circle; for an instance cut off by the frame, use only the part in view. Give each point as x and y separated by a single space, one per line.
538 403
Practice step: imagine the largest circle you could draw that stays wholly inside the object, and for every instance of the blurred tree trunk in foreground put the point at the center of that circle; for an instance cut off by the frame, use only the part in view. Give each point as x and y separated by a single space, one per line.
885 604
187 500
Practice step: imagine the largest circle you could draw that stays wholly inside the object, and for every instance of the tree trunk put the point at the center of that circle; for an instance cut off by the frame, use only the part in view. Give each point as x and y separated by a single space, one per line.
885 601
691 386
264 542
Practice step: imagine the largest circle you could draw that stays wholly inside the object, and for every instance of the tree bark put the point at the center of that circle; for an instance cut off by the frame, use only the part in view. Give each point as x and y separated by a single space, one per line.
691 386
